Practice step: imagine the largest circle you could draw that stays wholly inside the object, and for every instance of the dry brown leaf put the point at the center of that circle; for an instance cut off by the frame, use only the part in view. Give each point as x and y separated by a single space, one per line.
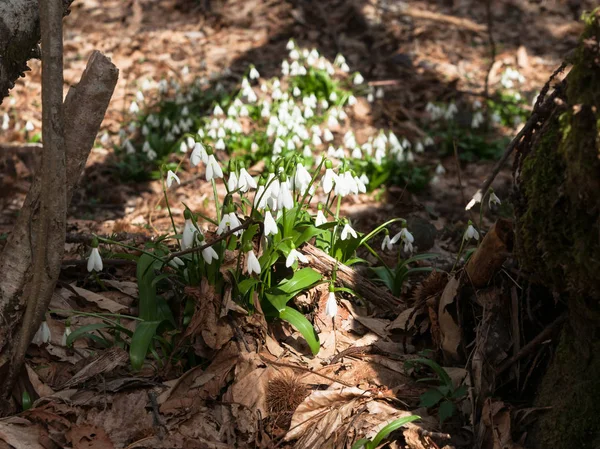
101 301
449 329
89 437
127 287
20 433
319 404
102 363
404 321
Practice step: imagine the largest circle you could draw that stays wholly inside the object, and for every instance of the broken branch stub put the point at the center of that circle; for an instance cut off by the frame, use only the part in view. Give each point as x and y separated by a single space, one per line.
84 109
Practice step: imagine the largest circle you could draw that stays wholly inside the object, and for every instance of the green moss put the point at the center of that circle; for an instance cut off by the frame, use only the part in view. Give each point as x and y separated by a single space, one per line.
559 226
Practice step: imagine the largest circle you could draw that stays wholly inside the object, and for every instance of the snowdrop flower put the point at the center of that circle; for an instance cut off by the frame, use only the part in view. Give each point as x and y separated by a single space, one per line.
6 122
358 79
213 169
302 178
327 135
183 148
294 54
351 100
362 187
320 219
294 256
29 126
189 232
229 222
451 111
220 145
308 112
253 75
316 140
129 148
67 332
328 178
217 111
245 181
406 237
333 97
270 225
476 199
379 93
232 182
477 119
285 70
331 305
285 200
134 108
347 231
290 45
370 98
440 170
42 335
493 199
172 177
471 232
387 243
198 154
209 254
345 68
252 263
151 154
94 259
176 263
296 92
105 140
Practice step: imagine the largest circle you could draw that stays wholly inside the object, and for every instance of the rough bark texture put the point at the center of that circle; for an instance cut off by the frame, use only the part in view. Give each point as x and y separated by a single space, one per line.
19 36
84 108
558 242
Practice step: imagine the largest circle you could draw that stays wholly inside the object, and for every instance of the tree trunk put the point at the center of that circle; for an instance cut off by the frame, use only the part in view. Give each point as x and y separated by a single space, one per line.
557 206
19 37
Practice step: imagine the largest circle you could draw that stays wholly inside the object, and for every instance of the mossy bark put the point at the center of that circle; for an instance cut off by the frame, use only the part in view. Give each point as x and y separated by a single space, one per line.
558 244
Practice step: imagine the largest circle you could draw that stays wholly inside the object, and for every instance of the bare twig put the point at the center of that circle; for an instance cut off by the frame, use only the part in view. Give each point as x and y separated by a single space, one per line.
51 228
529 347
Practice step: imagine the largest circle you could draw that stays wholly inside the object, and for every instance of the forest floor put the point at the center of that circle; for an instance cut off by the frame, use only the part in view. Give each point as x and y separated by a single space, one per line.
417 52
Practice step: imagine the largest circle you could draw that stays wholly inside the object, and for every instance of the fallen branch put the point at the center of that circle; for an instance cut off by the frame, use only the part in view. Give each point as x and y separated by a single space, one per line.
324 264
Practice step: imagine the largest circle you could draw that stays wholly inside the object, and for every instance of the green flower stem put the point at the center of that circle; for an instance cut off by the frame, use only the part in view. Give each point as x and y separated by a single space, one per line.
462 244
378 229
378 257
214 185
164 187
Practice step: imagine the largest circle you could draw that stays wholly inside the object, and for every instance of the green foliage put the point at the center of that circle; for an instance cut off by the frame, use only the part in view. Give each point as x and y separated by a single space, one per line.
384 433
394 279
444 394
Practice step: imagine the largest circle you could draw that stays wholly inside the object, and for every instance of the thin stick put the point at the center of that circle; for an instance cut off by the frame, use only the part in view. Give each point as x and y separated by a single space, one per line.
529 347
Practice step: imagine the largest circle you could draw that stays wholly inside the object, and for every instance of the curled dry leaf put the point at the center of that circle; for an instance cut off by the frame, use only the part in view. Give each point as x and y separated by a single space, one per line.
450 332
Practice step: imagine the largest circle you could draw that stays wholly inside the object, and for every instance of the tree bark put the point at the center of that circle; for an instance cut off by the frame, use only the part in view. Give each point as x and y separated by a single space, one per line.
19 36
84 109
557 230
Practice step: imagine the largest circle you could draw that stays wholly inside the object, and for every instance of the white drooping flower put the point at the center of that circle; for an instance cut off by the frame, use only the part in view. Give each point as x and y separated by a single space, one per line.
29 126
476 199
94 261
351 100
320 218
213 169
209 254
229 222
218 111
296 92
387 243
253 75
220 145
328 179
176 263
245 181
42 335
477 119
471 233
440 170
66 333
134 108
285 200
493 199
302 178
347 231
232 182
270 224
358 79
331 305
406 237
252 263
171 176
199 154
327 135
189 234
293 256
